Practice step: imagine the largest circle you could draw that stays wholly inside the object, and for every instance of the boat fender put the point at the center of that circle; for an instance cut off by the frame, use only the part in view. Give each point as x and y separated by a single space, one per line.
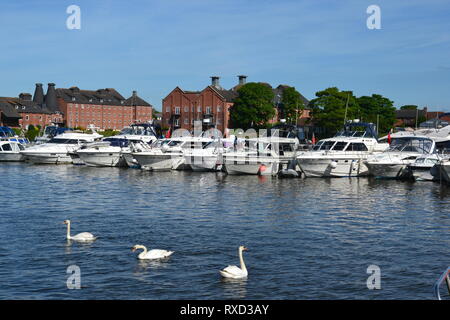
333 164
261 169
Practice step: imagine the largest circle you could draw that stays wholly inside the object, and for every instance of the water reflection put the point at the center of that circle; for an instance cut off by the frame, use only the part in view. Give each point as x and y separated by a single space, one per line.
234 288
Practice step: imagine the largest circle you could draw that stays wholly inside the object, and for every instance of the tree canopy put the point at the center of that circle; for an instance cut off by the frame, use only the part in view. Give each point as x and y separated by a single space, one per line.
329 108
377 106
292 104
253 107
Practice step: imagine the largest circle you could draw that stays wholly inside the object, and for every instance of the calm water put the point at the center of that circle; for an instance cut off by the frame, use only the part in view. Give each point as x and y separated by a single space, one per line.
308 239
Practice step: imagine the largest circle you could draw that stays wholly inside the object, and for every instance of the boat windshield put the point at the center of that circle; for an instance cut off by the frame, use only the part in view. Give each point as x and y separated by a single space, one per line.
114 142
408 144
323 145
65 141
137 130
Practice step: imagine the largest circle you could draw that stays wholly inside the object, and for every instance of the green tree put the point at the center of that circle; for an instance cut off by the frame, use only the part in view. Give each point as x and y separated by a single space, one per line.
377 107
32 132
329 109
292 104
253 107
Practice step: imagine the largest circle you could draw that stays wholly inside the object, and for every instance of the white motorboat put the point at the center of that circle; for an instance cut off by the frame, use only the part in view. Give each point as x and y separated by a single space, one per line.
420 169
441 171
403 151
260 156
344 154
49 133
209 157
57 150
110 151
167 154
10 151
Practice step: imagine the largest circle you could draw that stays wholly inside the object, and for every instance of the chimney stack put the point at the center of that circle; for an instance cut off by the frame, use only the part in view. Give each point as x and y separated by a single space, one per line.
242 79
50 97
25 96
38 94
215 82
134 94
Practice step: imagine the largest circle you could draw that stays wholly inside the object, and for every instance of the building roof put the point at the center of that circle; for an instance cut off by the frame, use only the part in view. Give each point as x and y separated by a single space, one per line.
107 96
21 106
8 110
409 113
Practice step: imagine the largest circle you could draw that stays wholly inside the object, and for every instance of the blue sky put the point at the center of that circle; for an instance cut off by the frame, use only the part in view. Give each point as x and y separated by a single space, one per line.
153 46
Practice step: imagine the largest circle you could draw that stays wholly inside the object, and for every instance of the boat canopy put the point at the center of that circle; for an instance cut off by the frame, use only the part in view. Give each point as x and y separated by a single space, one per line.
412 144
140 129
358 129
6 132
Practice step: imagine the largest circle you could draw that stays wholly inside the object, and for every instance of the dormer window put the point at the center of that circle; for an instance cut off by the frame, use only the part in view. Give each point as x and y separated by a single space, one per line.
17 107
23 107
73 98
90 100
101 100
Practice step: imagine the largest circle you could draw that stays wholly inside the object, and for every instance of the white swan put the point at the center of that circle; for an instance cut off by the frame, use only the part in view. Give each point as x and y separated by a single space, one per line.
152 254
236 272
84 236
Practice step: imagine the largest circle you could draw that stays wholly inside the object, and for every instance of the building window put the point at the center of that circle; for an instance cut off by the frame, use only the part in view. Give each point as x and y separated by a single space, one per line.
218 109
168 109
208 110
186 109
177 110
27 118
177 123
186 121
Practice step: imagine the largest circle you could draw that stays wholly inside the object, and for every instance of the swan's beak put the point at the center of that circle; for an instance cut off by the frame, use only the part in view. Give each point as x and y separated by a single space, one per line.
133 249
245 249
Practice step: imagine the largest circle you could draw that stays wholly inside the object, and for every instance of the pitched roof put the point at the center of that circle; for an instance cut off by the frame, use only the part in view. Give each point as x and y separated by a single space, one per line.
101 96
135 100
24 106
8 110
409 113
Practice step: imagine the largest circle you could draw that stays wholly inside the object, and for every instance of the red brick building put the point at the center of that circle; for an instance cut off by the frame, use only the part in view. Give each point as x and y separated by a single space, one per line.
210 106
104 108
23 111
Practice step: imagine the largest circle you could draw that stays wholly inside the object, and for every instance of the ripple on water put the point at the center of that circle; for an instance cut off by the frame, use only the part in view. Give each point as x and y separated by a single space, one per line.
308 239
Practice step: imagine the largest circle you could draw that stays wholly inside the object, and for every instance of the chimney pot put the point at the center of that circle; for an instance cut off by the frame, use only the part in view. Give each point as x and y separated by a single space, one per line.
242 79
215 81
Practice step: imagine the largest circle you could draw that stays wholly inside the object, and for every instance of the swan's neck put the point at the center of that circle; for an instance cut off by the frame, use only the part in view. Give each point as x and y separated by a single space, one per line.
241 259
143 248
68 230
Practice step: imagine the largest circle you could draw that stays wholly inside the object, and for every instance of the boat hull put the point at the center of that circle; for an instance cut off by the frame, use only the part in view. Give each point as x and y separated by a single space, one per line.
386 170
100 159
155 162
320 168
11 157
48 158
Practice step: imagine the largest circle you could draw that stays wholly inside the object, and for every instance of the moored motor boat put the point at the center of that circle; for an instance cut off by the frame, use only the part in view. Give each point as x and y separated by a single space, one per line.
403 151
57 150
344 154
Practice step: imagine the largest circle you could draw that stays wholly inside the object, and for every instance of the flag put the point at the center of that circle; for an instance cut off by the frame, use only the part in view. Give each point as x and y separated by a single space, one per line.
389 136
168 134
313 140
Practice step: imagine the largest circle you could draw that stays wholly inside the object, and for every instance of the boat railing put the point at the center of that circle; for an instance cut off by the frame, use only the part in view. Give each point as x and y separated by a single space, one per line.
445 277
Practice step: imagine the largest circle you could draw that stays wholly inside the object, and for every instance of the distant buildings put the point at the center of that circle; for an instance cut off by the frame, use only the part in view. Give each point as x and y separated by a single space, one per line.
421 118
209 107
104 108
